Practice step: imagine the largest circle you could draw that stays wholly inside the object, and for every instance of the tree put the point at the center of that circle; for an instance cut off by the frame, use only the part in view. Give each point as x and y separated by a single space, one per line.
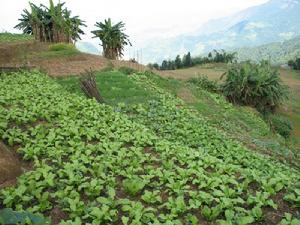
112 37
164 65
53 24
187 60
178 63
295 64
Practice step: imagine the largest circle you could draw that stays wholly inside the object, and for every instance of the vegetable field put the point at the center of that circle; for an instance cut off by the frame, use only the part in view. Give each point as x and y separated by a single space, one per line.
154 163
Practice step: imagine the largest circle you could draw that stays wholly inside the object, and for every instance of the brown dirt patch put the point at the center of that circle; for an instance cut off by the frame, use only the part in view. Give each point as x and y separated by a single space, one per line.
212 71
57 215
27 53
11 166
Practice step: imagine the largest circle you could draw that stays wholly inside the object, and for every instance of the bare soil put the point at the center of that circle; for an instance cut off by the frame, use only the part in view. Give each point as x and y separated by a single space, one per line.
27 53
11 166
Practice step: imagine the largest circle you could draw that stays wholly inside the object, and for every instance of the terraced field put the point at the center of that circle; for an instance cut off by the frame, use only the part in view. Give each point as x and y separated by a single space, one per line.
152 161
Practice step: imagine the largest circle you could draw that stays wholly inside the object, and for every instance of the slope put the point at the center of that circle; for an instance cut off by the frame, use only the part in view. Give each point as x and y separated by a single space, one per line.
54 59
157 162
277 52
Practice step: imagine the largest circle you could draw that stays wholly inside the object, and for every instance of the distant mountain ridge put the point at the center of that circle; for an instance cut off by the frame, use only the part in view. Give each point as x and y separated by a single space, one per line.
274 21
87 47
277 52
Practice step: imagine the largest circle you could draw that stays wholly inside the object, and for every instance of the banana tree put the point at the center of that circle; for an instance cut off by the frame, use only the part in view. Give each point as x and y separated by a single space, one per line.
112 37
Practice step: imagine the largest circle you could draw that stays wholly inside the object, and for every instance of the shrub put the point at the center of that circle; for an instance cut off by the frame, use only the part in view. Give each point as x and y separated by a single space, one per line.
204 83
127 70
62 47
8 216
281 125
256 85
295 64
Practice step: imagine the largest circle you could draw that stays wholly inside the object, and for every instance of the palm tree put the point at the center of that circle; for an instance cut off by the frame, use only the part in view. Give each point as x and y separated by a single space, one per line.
112 37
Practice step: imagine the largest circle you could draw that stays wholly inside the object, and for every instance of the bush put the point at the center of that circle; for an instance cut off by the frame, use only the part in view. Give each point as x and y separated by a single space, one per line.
204 83
281 125
127 70
295 64
256 85
8 216
62 47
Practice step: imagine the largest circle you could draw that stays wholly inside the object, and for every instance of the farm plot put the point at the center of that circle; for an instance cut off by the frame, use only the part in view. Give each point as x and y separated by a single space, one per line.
95 165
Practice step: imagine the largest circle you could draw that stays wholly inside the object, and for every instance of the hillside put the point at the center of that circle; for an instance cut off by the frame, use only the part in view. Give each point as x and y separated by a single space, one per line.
274 21
83 152
277 52
214 71
61 60
159 151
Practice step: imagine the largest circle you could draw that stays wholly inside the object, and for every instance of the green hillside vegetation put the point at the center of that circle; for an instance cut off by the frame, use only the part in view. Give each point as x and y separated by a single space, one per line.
277 53
58 50
51 24
294 64
188 61
151 160
241 123
9 37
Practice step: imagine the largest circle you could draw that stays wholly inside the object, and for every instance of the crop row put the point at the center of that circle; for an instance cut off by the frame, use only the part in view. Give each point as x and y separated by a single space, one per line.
159 164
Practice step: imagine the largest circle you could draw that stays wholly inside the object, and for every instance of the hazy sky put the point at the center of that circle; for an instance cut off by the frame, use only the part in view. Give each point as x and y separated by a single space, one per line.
144 19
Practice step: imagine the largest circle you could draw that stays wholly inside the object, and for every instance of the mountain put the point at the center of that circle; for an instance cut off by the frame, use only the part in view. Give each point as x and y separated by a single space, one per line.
277 52
87 47
274 21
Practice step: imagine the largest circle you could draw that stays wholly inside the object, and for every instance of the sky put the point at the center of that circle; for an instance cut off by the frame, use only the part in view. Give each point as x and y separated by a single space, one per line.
144 20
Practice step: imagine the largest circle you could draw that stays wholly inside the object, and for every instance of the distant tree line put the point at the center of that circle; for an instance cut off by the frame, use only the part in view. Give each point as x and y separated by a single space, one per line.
295 64
189 61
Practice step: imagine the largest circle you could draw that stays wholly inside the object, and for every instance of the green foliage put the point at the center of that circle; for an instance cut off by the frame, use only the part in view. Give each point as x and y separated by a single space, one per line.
295 64
294 196
133 185
204 83
147 163
59 50
289 220
112 37
9 37
282 125
62 47
257 85
189 61
53 24
277 52
10 217
127 70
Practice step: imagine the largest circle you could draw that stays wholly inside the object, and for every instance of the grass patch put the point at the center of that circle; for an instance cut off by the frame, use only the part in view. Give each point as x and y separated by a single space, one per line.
59 50
9 37
114 86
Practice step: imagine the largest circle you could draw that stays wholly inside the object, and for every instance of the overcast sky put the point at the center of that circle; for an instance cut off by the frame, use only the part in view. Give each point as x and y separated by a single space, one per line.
144 19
